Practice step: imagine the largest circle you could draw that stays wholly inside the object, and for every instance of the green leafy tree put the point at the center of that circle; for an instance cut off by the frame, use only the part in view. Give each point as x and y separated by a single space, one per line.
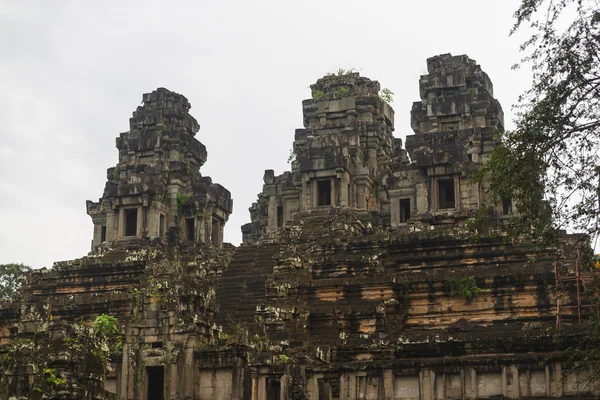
107 330
11 278
549 165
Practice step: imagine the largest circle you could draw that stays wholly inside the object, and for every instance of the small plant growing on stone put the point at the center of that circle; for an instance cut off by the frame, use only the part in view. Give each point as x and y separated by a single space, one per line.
463 287
52 379
283 358
181 200
342 71
365 156
116 174
386 95
343 90
318 94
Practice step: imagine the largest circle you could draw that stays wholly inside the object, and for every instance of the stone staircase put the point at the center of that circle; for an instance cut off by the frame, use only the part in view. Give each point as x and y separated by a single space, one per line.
242 287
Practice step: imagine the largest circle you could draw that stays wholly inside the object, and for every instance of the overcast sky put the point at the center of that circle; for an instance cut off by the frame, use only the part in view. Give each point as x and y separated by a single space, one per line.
72 72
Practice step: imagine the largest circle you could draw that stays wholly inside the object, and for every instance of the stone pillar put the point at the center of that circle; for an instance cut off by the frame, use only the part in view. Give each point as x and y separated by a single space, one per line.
422 203
208 224
262 388
254 385
172 369
124 384
389 391
512 384
96 239
237 383
173 190
112 225
272 216
547 373
350 387
189 367
427 378
312 387
556 389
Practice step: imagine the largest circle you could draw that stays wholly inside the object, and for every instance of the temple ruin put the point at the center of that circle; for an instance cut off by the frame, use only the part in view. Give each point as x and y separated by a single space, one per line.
359 276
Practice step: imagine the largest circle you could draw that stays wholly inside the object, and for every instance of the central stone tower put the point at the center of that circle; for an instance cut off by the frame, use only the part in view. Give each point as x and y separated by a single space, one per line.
337 156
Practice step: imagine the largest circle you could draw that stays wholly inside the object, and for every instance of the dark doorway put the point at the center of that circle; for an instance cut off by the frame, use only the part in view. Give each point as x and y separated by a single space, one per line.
324 390
279 216
404 210
156 383
324 193
273 388
446 193
189 229
131 222
103 234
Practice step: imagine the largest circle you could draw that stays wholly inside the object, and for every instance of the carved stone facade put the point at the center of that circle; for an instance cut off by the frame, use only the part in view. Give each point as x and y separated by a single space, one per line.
358 279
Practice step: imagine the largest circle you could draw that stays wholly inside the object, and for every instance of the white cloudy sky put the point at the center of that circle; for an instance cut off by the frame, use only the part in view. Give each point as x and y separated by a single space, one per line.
71 73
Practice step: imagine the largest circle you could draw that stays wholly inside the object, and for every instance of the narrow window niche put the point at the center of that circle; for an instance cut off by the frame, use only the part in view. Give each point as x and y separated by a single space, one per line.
506 206
131 215
189 229
404 210
279 216
324 193
161 225
446 193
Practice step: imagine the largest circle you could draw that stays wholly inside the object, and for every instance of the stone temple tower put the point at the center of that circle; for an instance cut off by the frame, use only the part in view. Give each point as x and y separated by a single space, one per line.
347 161
156 188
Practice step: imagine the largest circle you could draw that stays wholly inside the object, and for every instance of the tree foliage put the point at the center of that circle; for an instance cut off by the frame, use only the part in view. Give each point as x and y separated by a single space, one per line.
11 278
550 164
107 330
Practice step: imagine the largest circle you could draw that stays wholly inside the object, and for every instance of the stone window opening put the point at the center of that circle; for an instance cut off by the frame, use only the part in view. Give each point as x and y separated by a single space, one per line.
155 378
349 203
130 221
404 210
279 216
157 345
273 388
103 234
189 229
446 193
506 206
324 193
